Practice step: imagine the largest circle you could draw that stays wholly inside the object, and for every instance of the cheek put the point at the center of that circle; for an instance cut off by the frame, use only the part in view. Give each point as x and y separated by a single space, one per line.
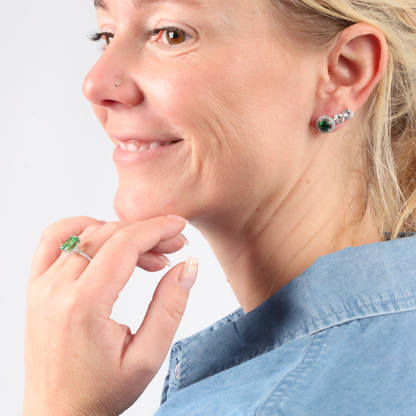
175 95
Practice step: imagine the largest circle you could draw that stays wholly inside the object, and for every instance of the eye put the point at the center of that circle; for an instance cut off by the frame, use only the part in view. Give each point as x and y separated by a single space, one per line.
97 36
172 35
175 37
108 37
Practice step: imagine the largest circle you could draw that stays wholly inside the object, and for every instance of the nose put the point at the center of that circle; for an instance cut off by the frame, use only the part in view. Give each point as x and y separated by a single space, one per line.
109 82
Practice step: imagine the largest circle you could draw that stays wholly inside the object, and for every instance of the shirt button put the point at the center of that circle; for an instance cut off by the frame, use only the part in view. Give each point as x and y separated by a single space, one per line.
178 370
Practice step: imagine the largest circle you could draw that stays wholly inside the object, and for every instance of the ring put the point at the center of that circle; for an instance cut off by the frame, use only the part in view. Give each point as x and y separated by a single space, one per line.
71 246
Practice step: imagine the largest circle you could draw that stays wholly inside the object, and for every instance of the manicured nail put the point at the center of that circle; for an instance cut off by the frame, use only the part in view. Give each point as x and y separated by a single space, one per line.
178 218
164 259
189 272
183 239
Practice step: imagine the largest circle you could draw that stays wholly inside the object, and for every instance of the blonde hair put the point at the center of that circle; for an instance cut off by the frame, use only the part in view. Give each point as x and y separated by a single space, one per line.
390 123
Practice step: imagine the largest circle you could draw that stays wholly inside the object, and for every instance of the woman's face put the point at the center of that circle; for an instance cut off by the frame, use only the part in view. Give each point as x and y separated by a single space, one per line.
210 97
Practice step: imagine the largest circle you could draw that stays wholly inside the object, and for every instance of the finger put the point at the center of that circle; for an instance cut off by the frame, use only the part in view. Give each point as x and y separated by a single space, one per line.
91 244
153 262
154 337
52 238
171 246
88 232
53 271
114 263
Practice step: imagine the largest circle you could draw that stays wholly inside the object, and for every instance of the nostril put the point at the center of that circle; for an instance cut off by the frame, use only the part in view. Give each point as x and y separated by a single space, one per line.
109 103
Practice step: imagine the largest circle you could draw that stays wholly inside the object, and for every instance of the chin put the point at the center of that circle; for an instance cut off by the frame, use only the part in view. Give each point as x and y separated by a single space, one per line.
140 206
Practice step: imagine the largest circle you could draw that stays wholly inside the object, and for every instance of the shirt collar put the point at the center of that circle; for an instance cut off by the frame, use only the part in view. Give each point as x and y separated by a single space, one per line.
353 283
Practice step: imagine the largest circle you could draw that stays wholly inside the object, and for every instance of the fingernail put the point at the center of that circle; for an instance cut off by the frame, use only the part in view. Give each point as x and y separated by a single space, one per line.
189 272
102 222
164 259
178 218
183 239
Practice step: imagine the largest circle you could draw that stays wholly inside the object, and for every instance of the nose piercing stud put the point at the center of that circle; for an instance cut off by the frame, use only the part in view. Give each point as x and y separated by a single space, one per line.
116 84
326 124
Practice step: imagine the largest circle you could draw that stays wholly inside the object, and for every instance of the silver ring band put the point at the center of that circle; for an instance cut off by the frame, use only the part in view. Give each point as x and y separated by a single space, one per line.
86 256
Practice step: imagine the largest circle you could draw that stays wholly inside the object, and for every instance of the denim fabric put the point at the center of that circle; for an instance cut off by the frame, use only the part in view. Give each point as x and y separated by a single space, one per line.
340 339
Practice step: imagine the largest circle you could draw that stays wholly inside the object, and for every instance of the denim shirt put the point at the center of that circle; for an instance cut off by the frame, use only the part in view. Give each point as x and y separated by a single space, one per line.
339 339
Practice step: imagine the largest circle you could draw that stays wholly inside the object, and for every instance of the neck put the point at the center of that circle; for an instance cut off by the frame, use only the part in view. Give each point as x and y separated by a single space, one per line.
265 247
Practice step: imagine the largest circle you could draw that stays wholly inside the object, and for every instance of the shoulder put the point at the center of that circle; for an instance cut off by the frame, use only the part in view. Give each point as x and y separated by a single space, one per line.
362 367
366 367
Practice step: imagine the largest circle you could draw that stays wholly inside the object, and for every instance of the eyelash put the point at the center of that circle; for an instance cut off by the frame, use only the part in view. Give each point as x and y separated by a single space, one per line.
97 36
155 31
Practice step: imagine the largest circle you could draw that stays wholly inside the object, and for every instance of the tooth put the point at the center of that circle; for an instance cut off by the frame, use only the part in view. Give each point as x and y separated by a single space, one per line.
132 147
167 143
144 147
123 146
156 144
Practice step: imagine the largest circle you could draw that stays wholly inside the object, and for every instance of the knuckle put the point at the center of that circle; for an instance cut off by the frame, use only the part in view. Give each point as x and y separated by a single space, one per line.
49 232
72 306
174 309
91 229
33 295
60 305
109 227
81 219
123 238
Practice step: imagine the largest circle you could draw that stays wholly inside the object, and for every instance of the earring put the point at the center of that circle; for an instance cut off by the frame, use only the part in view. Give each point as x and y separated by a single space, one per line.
326 124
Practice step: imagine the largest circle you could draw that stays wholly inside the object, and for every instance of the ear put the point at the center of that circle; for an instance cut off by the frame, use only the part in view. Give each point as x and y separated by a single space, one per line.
356 63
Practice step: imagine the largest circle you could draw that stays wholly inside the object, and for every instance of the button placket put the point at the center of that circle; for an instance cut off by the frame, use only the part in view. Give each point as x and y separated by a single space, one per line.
178 370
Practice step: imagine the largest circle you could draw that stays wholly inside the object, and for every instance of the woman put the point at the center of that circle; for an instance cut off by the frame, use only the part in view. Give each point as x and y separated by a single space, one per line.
218 112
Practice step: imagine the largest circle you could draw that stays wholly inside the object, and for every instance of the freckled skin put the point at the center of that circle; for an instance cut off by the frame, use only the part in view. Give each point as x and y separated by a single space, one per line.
228 94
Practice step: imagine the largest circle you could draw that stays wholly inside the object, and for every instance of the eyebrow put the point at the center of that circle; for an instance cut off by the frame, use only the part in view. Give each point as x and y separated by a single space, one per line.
100 4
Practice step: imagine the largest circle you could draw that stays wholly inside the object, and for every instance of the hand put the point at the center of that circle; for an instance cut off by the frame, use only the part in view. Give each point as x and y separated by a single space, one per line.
78 360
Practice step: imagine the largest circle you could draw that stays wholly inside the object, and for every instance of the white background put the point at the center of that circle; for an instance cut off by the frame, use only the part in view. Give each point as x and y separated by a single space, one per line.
56 162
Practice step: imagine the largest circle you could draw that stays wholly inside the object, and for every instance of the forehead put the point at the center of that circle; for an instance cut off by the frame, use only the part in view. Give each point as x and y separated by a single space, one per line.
101 4
237 16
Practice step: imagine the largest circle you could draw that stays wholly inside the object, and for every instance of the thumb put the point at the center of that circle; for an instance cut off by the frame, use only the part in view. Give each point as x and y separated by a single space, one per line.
150 345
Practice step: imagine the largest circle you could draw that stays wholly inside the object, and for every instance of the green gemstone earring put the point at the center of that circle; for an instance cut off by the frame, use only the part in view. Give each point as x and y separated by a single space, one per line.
326 124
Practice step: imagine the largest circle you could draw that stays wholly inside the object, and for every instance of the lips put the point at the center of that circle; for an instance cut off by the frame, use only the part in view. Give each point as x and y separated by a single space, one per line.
136 152
136 146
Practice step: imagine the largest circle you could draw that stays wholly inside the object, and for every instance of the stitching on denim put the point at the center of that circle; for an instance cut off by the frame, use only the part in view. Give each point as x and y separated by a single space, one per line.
362 306
177 351
298 369
293 334
313 362
188 367
284 376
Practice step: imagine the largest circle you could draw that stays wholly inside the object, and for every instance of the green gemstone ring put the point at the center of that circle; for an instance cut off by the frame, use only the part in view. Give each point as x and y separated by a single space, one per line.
71 246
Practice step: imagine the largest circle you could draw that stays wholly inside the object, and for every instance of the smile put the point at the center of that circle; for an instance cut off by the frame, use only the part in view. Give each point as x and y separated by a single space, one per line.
136 146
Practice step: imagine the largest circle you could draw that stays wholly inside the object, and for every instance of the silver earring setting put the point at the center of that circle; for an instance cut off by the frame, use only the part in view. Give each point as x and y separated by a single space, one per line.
326 124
